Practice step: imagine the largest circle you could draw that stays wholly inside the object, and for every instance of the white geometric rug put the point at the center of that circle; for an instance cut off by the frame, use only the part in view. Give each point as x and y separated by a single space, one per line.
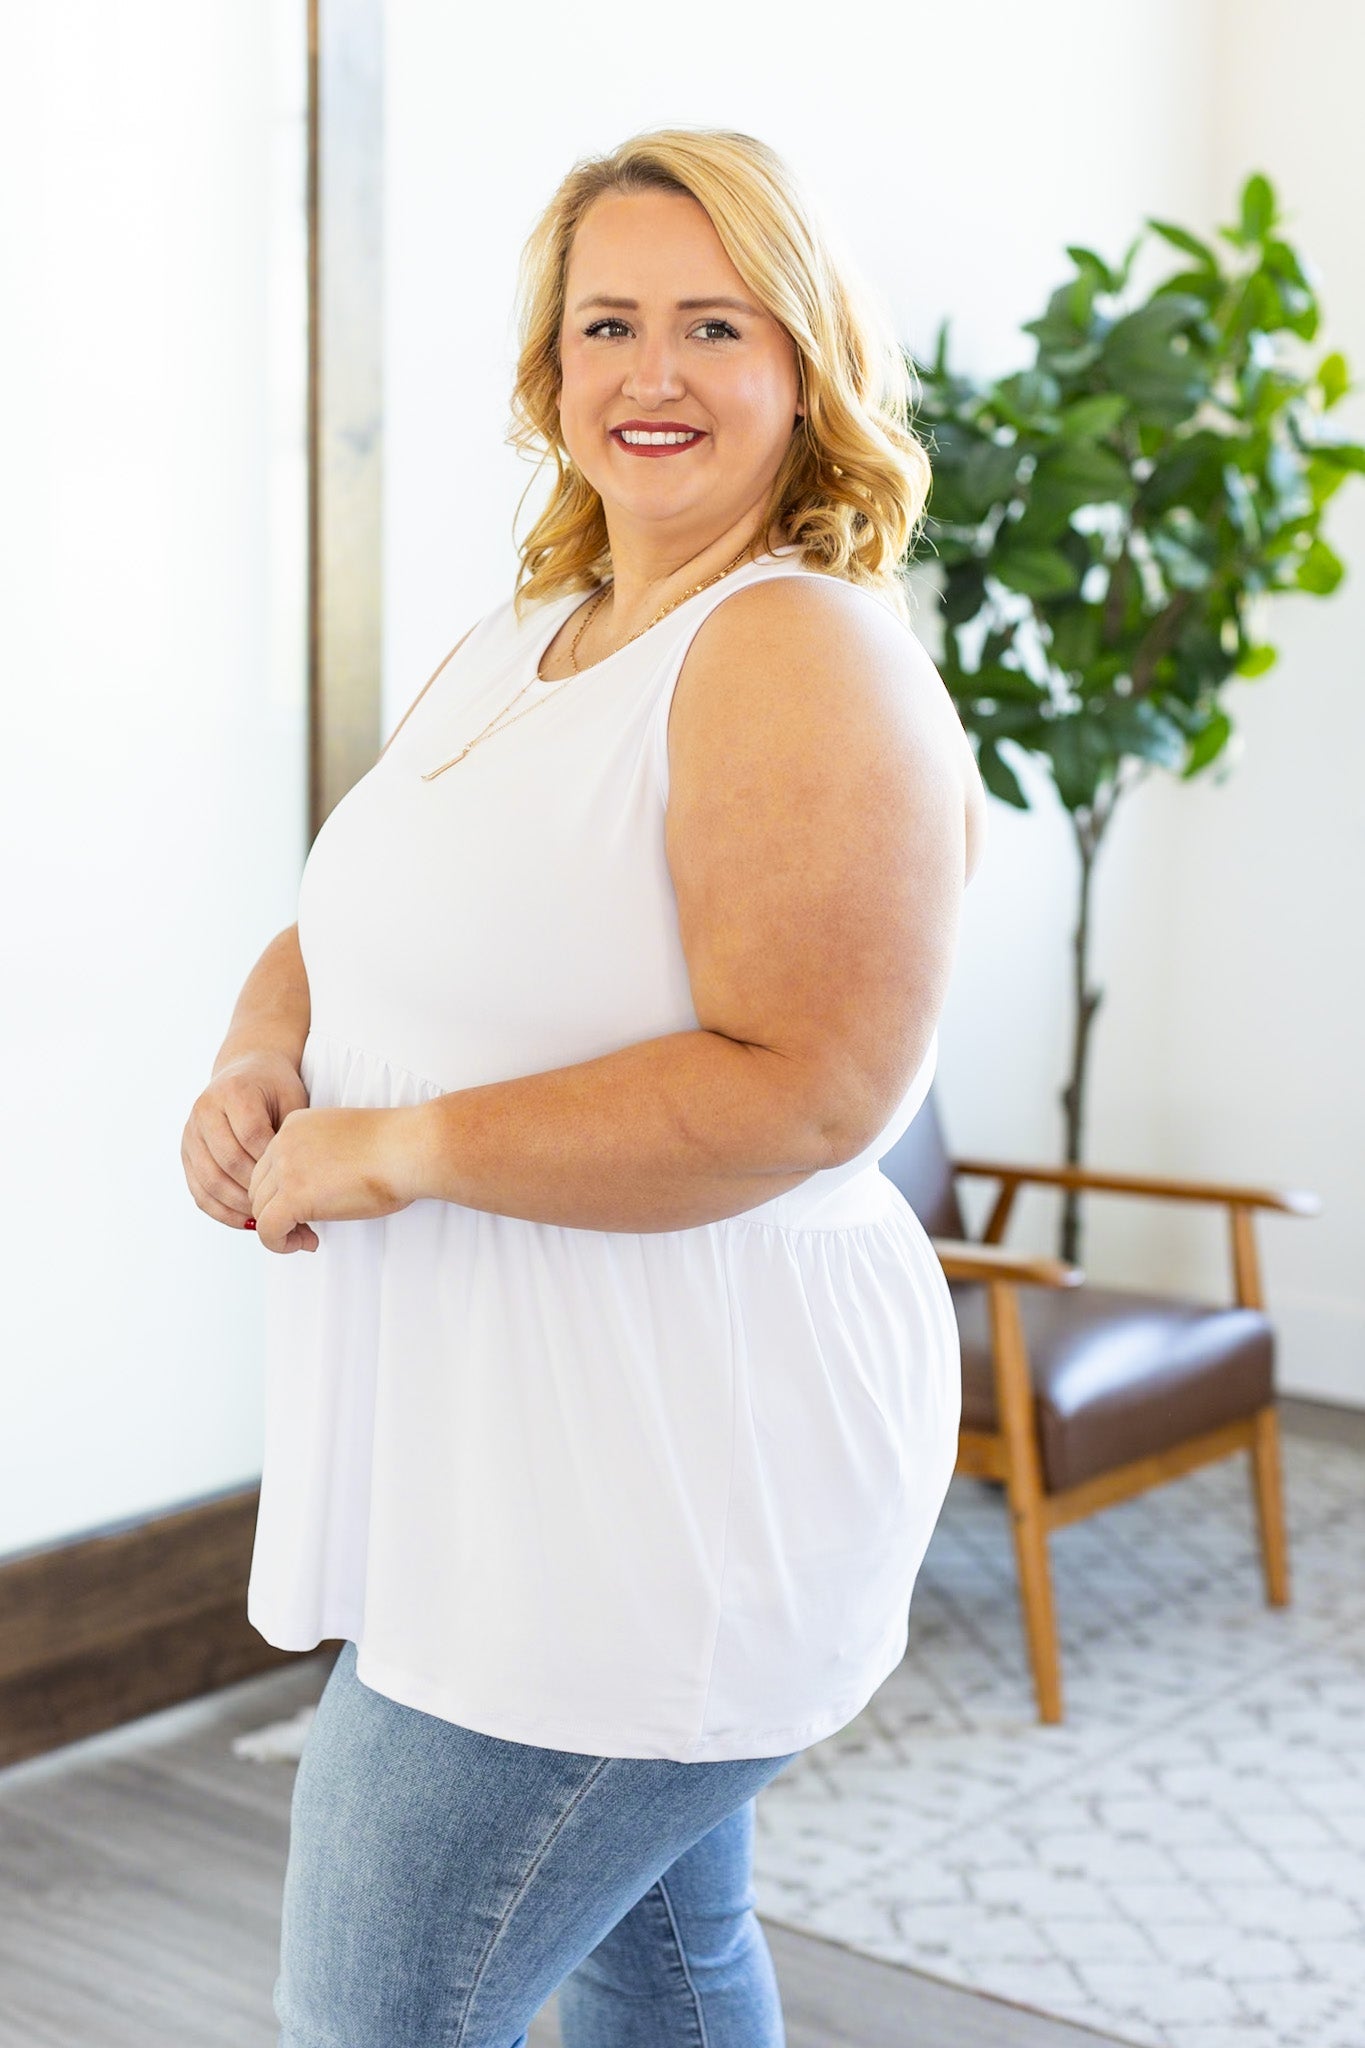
1180 1864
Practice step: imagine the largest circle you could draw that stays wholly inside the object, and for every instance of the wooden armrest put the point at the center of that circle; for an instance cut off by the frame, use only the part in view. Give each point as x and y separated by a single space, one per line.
963 1261
1289 1201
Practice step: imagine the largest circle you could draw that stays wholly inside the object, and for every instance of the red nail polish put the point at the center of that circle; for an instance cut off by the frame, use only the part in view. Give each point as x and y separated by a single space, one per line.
250 1223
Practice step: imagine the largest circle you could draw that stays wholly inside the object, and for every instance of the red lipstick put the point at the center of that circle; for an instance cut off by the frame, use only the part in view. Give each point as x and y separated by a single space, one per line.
656 448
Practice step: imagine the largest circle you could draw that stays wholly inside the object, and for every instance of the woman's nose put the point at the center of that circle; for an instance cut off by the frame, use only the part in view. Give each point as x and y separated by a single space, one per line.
653 376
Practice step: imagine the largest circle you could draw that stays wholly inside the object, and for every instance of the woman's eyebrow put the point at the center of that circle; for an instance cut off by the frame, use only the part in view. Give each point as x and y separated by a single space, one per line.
683 305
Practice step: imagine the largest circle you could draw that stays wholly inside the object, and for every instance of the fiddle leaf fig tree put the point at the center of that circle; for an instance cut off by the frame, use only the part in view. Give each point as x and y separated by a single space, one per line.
1110 523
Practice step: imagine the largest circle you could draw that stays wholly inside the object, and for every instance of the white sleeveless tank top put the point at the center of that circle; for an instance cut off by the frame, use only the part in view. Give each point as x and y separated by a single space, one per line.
655 1494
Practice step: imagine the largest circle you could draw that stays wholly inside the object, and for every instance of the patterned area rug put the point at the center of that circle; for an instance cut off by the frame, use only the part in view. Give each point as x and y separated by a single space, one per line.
1182 1862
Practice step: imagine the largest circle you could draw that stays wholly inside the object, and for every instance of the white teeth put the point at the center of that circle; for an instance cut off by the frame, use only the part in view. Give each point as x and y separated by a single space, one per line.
636 439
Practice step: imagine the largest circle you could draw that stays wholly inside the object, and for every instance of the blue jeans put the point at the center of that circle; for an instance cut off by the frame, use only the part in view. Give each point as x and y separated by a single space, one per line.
442 1885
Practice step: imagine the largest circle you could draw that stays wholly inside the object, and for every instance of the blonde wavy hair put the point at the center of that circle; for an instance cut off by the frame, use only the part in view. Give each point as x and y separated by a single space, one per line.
852 486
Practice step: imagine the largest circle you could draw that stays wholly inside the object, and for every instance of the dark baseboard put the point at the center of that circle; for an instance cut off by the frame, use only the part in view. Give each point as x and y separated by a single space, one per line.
104 1629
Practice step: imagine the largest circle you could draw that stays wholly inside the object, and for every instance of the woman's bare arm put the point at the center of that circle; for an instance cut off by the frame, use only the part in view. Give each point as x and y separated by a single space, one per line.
254 1086
817 840
273 1010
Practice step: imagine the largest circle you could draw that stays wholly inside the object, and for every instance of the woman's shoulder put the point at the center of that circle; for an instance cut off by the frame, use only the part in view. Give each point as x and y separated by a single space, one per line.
816 636
794 609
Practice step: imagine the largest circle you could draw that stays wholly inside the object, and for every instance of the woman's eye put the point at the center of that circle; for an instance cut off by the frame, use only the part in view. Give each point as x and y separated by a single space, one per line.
726 331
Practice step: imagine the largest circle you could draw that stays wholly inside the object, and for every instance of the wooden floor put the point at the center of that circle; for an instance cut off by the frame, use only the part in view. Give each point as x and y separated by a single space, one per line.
140 1879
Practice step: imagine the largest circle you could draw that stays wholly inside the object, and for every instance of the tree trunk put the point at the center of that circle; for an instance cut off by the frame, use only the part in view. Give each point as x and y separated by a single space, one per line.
1089 826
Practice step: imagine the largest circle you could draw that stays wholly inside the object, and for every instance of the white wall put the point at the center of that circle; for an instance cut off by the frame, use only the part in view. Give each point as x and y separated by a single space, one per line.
1256 946
956 151
152 354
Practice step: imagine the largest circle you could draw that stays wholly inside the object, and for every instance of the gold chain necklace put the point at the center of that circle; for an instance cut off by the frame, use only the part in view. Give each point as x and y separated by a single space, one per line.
429 774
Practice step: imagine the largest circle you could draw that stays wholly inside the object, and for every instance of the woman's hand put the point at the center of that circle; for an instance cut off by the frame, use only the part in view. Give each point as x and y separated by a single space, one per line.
230 1126
331 1165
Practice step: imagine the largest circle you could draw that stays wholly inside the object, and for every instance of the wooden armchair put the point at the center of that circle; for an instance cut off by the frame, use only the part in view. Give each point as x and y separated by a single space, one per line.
1079 1396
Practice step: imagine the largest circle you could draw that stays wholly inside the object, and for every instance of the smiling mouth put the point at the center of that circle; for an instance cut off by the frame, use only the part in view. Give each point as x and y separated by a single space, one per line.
654 441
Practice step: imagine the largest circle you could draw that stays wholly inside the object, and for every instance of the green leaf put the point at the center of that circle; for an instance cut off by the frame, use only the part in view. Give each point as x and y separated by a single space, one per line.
945 545
1241 504
1208 286
1078 758
1183 566
999 779
1084 468
1181 238
1141 360
1127 263
1304 321
1152 325
1278 257
1285 472
1075 641
954 441
1320 570
1258 207
951 500
1267 390
1080 297
1037 572
1333 378
1089 419
1184 715
1086 260
1324 480
1342 454
1257 660
1191 474
988 475
995 682
1006 721
1102 673
1027 400
964 594
1067 476
1074 362
1257 306
1202 664
1139 727
1063 331
1207 744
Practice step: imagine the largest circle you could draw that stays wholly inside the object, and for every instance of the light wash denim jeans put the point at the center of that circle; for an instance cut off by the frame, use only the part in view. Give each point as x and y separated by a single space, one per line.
442 1885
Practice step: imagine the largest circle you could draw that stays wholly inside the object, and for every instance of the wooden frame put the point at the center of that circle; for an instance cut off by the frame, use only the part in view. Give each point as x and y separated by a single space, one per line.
345 397
1011 1452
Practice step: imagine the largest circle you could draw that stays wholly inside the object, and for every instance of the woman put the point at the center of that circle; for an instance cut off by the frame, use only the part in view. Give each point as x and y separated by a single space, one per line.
609 1421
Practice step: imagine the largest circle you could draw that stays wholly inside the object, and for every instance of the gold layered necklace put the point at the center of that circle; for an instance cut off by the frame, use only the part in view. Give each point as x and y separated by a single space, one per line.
589 615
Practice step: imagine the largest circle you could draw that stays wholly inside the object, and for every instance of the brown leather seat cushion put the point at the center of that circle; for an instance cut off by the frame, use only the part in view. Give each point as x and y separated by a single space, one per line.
1117 1376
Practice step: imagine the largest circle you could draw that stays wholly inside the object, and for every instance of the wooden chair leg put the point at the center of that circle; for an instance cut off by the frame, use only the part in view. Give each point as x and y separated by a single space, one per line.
1024 1490
1267 1493
1035 1590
